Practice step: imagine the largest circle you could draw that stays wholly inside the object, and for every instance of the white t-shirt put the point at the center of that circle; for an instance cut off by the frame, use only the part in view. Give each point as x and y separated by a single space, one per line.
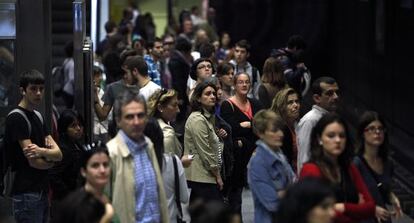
148 90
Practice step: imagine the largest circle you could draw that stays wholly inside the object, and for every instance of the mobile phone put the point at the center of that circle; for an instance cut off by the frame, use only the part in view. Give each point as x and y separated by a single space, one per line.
191 156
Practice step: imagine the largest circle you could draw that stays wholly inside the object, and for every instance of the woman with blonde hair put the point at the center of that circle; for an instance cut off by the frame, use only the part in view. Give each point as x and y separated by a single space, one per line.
286 104
273 80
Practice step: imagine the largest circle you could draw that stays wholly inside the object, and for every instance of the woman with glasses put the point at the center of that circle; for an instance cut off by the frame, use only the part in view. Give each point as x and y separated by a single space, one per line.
201 69
238 112
375 167
331 159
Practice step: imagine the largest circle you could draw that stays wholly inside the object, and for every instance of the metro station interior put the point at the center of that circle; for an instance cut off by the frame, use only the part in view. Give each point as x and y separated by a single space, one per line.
366 45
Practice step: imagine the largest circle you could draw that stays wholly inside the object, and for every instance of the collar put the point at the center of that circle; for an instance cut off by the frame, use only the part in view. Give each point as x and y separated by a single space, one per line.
207 114
273 156
320 109
131 144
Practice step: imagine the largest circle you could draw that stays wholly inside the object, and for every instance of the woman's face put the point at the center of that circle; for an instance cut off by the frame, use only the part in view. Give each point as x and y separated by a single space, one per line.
75 130
204 70
242 85
333 140
97 170
292 107
227 79
208 98
169 111
272 137
374 134
323 212
225 40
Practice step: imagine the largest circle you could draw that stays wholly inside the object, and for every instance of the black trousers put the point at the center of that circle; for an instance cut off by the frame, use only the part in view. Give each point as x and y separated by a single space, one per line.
204 191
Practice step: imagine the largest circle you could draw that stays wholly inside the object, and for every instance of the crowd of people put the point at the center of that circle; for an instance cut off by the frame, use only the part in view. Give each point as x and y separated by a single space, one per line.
183 124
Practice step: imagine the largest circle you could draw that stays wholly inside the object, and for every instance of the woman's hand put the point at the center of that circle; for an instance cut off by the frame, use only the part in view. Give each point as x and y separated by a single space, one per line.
339 207
246 124
381 213
219 182
221 133
396 205
186 161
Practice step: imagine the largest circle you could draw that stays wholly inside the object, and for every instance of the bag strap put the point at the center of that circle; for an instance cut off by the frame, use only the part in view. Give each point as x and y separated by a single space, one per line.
177 186
19 111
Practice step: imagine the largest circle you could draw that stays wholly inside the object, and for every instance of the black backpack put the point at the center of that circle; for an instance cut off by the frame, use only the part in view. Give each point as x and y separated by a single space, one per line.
58 79
7 172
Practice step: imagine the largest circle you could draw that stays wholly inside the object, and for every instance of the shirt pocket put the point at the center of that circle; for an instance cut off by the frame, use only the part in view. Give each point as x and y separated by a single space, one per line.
278 179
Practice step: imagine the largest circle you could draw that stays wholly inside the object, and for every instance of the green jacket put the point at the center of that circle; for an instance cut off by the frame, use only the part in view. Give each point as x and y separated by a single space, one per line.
200 139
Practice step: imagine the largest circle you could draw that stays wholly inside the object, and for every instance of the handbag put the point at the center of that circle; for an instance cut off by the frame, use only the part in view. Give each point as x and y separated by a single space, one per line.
177 191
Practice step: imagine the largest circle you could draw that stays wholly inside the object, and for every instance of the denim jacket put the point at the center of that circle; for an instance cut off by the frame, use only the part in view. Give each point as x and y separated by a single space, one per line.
268 173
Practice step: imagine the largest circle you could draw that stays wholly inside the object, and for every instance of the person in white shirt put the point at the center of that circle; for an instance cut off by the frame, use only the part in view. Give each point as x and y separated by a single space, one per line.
325 95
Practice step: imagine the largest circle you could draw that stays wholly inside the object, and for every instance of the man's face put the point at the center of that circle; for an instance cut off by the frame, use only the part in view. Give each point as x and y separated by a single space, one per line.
133 120
33 93
157 50
129 76
187 26
329 96
240 55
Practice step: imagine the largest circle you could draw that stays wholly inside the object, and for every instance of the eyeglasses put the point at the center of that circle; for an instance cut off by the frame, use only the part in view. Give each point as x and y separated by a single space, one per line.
243 82
204 67
373 129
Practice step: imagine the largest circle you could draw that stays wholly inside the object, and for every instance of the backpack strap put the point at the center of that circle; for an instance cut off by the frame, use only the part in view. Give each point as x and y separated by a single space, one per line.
19 111
177 186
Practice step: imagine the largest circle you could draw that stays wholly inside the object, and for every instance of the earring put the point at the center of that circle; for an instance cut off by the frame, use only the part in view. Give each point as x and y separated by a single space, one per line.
320 142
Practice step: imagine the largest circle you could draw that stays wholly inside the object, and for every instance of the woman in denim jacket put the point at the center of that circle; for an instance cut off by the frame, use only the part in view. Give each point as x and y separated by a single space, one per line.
269 172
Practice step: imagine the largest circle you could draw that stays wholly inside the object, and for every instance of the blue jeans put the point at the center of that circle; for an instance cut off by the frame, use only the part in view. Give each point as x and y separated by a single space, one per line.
32 207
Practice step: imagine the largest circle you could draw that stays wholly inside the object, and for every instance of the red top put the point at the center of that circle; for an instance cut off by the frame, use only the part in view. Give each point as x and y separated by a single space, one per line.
353 212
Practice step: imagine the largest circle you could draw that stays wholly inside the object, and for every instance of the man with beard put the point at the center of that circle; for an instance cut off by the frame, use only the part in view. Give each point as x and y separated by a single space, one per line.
155 53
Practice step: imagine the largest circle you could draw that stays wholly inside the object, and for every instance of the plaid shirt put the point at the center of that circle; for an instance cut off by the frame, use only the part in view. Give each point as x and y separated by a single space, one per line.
147 207
153 69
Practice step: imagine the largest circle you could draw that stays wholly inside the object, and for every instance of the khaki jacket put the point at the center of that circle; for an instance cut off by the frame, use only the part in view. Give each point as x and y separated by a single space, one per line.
122 185
171 143
200 139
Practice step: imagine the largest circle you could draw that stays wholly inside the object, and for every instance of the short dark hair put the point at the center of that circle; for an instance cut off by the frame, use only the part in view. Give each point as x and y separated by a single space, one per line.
127 53
273 73
224 68
79 206
69 48
244 44
151 44
296 41
207 50
316 85
31 77
193 69
198 91
124 99
183 44
110 26
301 198
137 62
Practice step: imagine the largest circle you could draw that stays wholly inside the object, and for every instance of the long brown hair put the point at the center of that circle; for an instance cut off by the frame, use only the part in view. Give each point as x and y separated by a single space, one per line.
273 73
